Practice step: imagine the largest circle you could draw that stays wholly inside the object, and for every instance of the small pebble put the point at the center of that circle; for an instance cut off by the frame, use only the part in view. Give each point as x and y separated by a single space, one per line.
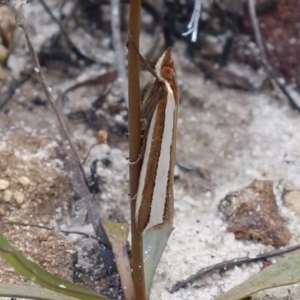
45 220
3 184
19 197
7 196
292 201
8 173
25 181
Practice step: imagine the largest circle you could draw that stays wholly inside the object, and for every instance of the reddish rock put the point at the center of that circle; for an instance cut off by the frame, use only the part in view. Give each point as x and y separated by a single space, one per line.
279 25
252 213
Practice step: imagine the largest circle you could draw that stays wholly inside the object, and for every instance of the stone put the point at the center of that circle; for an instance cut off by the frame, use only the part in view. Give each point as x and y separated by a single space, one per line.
252 213
292 201
19 197
24 181
4 184
7 196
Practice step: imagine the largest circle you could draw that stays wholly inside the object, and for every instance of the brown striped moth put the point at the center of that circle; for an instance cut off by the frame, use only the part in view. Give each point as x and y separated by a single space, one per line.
160 99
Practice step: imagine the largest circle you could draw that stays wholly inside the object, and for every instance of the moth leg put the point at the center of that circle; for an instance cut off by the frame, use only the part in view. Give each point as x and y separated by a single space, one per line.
132 198
143 124
136 161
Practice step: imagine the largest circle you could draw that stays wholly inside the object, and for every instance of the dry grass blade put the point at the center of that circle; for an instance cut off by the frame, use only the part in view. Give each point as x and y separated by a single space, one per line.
119 49
72 46
76 171
118 235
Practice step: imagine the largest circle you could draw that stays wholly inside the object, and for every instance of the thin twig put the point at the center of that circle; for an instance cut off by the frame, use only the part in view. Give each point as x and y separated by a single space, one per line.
64 22
95 178
67 18
12 1
264 64
119 48
229 264
72 46
66 232
76 174
255 26
263 56
103 79
283 89
12 89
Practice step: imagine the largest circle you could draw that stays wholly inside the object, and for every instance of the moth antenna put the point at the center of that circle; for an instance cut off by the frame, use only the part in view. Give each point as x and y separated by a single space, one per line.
165 68
146 64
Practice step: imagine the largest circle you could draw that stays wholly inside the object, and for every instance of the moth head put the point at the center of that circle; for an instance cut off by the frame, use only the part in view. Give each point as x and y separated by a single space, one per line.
165 68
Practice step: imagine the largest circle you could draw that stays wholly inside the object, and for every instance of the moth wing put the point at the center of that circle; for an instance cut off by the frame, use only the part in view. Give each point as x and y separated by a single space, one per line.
150 98
162 197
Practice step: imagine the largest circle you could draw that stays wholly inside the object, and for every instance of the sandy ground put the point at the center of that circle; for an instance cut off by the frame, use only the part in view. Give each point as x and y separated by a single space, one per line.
230 137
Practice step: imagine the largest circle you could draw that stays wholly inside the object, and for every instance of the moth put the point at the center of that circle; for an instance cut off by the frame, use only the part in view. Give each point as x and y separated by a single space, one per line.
159 109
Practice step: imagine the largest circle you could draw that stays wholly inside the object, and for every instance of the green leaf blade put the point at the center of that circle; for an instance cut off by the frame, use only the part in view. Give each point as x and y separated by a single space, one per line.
154 243
30 292
284 272
43 278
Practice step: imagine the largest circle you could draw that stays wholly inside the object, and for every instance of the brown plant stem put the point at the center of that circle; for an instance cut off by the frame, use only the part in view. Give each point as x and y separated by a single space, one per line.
135 143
